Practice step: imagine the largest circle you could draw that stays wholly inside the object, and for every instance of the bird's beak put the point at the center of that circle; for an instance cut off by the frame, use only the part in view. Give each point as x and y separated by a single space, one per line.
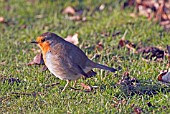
34 42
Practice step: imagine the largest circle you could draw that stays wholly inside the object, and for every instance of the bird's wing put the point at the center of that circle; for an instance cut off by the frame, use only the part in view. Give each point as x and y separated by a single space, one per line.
68 59
77 56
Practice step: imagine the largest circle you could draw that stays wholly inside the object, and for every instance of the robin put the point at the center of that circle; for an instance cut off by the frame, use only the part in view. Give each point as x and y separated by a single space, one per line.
65 60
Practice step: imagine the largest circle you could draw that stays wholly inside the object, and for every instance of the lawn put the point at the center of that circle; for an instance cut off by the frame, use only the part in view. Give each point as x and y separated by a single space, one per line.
27 19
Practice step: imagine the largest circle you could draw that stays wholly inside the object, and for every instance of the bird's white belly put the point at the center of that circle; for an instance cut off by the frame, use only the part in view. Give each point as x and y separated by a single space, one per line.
50 65
52 68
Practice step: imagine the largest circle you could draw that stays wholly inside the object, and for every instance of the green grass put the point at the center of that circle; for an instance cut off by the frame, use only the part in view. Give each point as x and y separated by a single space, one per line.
42 16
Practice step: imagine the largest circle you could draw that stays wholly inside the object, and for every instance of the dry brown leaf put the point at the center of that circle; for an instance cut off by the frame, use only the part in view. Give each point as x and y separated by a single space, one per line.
121 43
87 88
164 16
99 46
163 23
156 10
131 47
117 102
37 60
102 7
69 10
126 43
144 11
73 39
151 53
2 20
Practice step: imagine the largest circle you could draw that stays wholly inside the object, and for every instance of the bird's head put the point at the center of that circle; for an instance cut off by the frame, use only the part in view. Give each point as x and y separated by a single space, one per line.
46 40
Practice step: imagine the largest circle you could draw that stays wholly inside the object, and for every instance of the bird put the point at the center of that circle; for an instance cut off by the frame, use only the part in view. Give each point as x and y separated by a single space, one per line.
65 60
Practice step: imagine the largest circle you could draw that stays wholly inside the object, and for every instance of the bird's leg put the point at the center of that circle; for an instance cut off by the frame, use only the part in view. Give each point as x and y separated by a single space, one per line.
74 85
68 81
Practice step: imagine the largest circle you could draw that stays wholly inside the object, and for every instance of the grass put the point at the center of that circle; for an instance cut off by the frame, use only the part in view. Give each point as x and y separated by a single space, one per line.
41 16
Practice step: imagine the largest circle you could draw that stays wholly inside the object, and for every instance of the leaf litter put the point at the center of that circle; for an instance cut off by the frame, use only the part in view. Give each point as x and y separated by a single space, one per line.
157 10
147 52
73 14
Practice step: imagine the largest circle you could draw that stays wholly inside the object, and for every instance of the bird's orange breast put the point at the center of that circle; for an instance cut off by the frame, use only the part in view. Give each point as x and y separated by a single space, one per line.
45 47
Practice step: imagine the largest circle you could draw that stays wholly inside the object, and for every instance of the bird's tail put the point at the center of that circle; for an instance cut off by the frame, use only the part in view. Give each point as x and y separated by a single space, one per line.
96 65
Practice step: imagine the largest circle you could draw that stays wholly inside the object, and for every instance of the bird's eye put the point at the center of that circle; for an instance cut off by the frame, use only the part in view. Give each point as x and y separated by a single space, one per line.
43 40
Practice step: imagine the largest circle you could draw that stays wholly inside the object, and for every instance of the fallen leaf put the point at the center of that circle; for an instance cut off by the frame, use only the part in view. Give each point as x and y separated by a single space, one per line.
99 46
102 7
117 102
2 20
164 23
131 46
126 43
72 39
69 10
152 53
37 60
143 11
87 87
121 43
156 10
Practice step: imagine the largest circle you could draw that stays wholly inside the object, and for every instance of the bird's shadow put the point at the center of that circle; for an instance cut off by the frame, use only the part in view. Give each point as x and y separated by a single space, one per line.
131 87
